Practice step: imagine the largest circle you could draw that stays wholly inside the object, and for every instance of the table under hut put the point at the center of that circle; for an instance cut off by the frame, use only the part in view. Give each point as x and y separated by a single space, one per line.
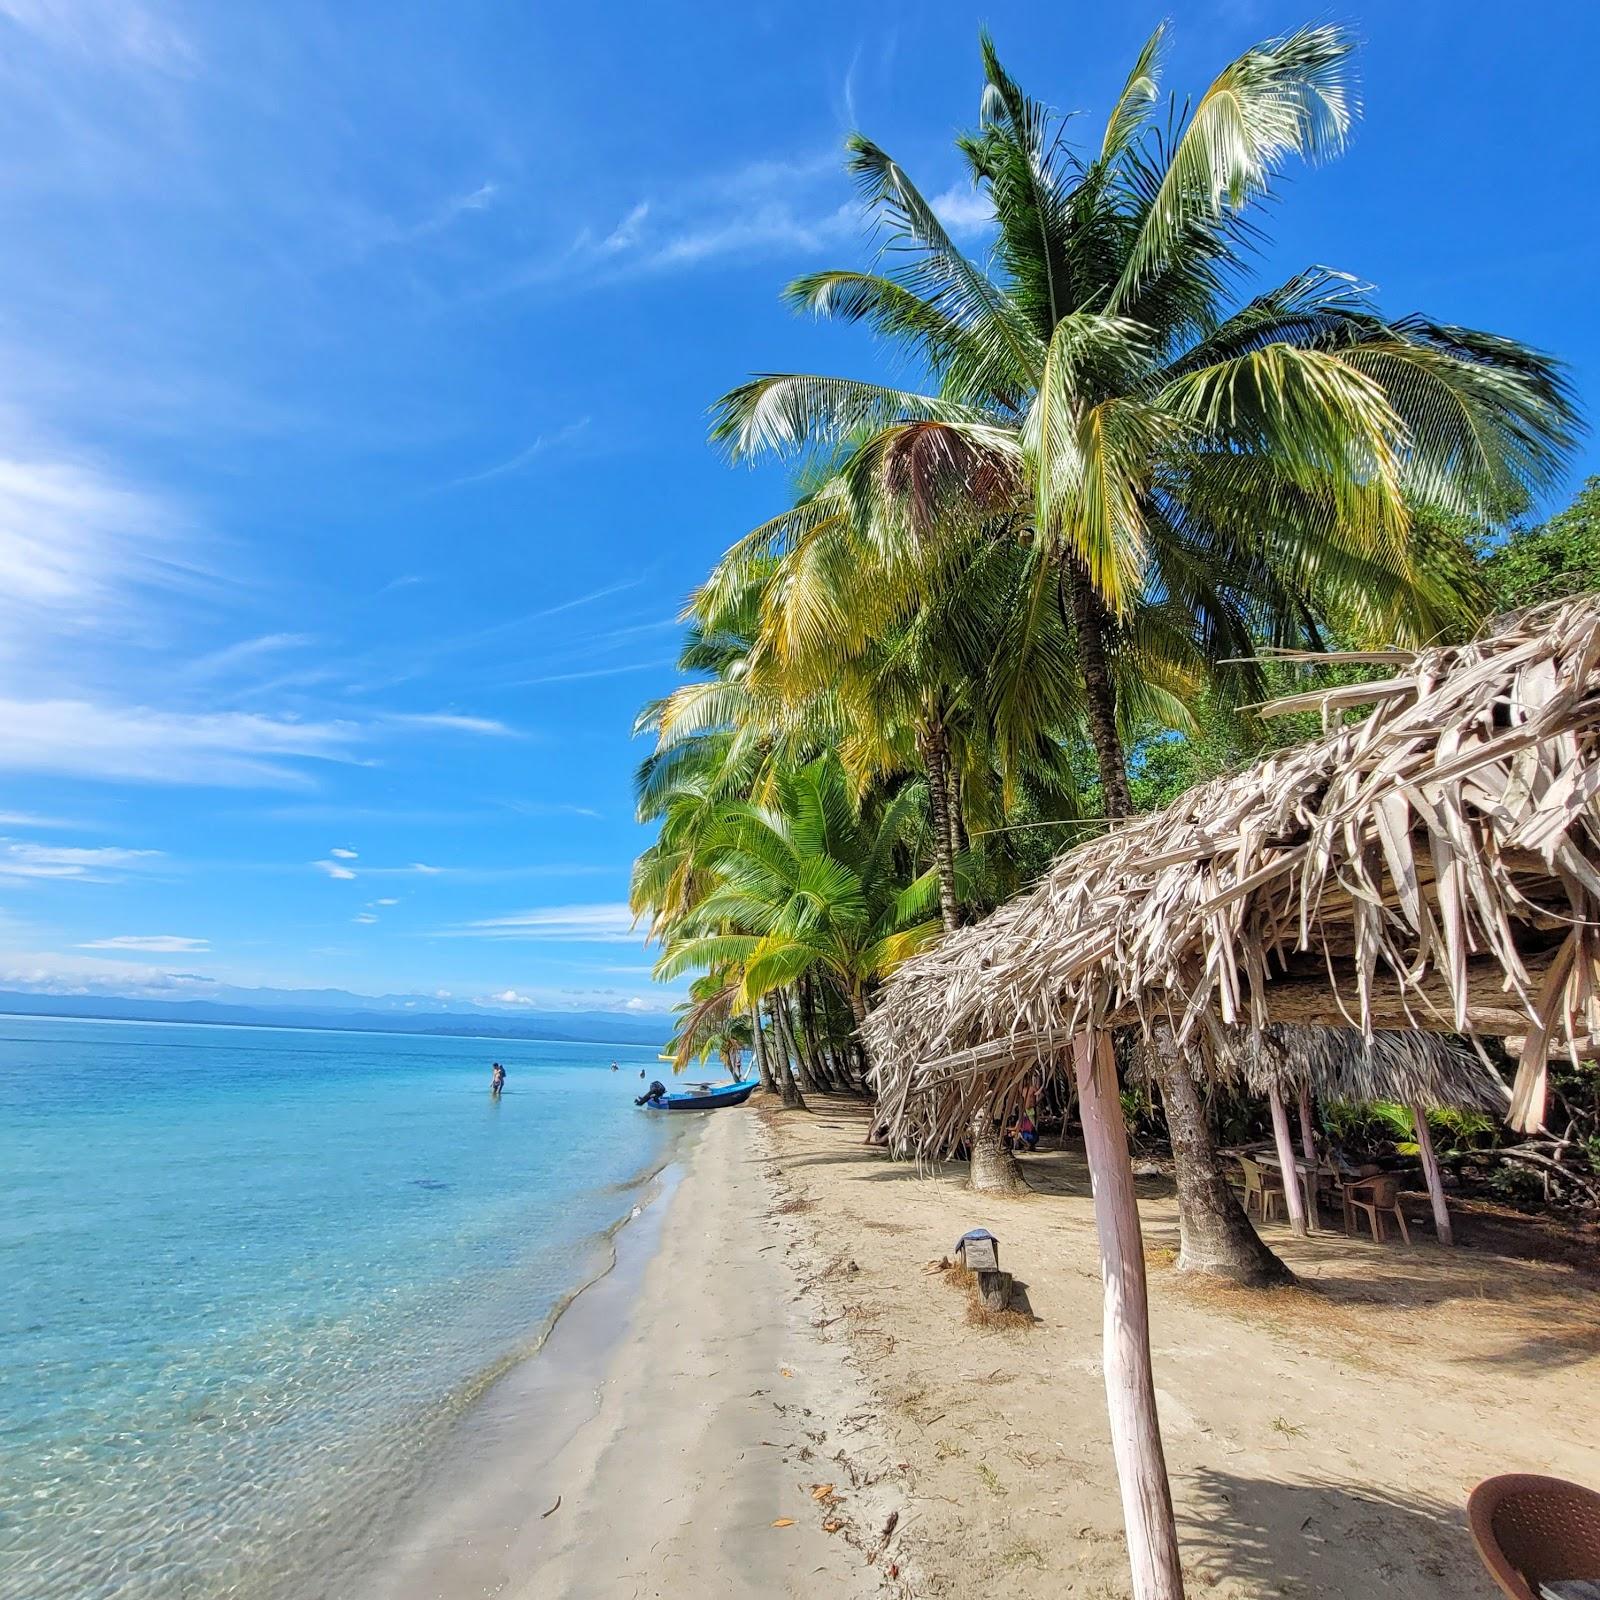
1434 866
1418 1070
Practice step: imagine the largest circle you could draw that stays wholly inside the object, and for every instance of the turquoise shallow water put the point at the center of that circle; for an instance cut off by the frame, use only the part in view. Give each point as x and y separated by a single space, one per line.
248 1278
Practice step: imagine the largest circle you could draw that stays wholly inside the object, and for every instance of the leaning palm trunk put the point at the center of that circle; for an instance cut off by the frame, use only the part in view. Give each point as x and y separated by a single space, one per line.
763 1065
821 1065
794 1026
994 1168
787 1086
1214 1235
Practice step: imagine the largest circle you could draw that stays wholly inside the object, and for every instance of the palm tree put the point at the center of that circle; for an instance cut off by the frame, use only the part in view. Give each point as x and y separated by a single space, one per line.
708 1023
1100 390
1183 461
906 661
810 886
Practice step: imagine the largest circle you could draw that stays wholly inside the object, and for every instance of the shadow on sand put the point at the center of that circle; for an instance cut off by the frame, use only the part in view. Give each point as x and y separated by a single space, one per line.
1326 1538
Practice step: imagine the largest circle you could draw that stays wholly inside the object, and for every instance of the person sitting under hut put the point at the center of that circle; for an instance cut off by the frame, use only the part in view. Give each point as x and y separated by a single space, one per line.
1023 1134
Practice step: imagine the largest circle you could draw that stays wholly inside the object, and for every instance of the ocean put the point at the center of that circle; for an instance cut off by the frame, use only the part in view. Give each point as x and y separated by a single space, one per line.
250 1277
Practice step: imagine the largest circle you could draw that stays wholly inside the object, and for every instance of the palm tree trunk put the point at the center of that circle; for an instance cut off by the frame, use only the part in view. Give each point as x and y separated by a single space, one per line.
858 1008
994 1169
1430 1171
759 1037
788 1088
1294 1193
1214 1235
795 1018
935 750
839 1044
1308 1129
820 1067
853 1048
1099 690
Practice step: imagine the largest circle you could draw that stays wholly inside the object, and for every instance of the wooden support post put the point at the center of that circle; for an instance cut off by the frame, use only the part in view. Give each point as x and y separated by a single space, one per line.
1308 1148
1430 1172
1293 1195
1157 1571
1308 1128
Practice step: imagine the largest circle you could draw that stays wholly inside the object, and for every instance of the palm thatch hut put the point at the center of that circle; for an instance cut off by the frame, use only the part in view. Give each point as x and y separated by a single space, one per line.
1422 1071
1435 866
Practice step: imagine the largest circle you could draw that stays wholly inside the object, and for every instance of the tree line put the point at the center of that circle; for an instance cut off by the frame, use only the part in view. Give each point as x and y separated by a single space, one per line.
1028 592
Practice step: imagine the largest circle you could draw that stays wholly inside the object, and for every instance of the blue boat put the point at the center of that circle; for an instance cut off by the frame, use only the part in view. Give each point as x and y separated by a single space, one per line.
699 1096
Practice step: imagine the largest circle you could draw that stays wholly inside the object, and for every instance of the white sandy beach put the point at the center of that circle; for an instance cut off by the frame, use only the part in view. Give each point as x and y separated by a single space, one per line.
780 1332
677 1455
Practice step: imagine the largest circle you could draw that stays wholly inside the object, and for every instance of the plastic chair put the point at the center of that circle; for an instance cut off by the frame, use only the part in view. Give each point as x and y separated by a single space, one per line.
1262 1186
1531 1530
1378 1197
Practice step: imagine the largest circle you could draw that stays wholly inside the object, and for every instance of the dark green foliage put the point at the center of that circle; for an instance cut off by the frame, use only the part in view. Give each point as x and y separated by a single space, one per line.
1371 1129
1552 559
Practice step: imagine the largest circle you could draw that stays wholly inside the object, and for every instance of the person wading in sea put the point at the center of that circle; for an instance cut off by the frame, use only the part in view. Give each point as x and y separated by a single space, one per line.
497 1081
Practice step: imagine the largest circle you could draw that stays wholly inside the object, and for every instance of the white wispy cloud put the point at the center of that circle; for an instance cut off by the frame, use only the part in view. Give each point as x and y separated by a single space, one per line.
366 918
31 820
334 869
163 944
611 923
20 859
81 549
525 457
343 854
775 229
389 900
86 739
550 808
246 653
761 209
964 211
61 972
657 665
589 599
573 999
452 208
449 722
119 32
495 873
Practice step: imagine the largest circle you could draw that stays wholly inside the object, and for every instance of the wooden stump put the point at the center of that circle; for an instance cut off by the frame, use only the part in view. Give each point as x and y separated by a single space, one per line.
994 1290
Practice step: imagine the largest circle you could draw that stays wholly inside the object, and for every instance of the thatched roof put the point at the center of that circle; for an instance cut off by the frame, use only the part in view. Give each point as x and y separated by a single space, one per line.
1414 1068
1434 866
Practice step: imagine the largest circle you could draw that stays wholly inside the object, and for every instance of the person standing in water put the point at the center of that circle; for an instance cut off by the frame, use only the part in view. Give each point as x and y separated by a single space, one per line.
497 1080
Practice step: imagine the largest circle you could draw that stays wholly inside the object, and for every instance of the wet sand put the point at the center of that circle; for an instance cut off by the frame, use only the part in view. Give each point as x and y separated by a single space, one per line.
682 1412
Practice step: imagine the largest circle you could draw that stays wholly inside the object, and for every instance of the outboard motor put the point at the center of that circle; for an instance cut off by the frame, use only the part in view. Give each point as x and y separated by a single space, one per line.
656 1091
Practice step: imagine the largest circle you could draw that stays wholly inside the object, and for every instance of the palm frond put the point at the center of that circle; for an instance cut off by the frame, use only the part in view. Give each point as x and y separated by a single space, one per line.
1289 96
789 412
1139 92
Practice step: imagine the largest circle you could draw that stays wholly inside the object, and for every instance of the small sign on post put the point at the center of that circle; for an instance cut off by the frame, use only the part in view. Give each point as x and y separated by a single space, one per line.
980 1255
979 1252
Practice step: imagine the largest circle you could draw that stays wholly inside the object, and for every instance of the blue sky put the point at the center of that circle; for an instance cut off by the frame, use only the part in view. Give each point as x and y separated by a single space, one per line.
354 363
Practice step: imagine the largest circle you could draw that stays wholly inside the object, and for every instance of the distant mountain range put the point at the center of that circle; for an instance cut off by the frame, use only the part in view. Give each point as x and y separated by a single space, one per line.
338 1009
